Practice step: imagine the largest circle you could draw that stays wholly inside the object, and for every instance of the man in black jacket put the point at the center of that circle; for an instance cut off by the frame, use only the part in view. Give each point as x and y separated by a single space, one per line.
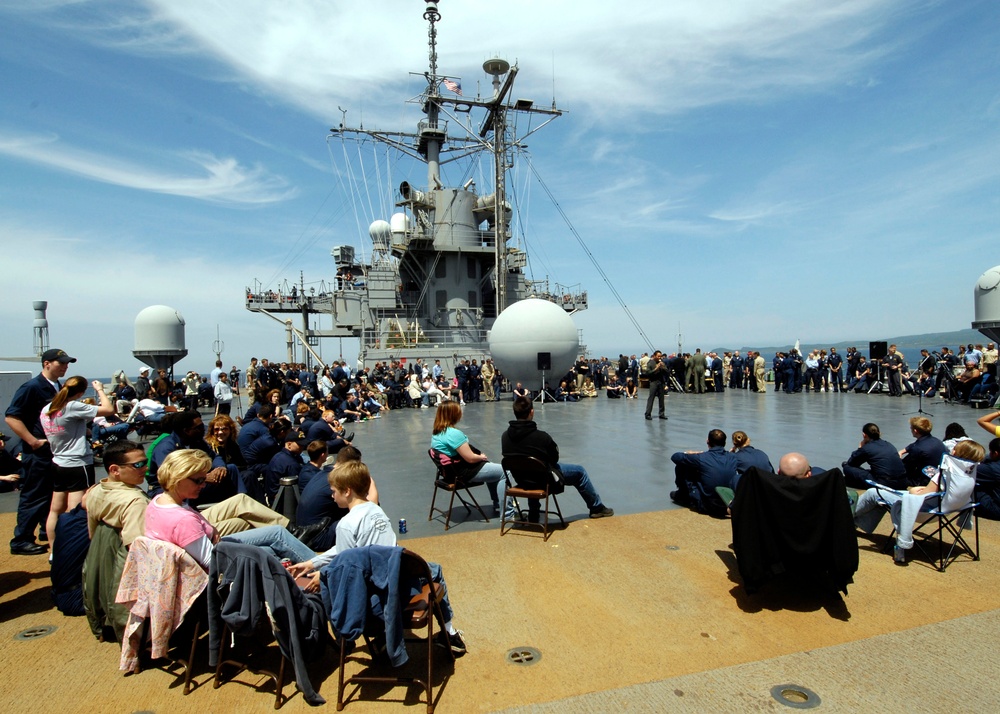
524 438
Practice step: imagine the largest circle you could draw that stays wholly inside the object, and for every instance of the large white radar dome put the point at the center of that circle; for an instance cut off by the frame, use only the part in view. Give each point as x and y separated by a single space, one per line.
159 336
526 329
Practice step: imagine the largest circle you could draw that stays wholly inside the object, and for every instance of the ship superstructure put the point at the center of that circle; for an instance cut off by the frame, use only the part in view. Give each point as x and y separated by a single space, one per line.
443 265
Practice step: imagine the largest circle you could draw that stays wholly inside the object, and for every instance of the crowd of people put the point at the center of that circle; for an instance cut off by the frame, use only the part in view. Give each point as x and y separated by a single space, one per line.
197 484
903 481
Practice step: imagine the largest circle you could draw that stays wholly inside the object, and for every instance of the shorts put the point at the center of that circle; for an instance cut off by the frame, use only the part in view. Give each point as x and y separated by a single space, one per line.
72 478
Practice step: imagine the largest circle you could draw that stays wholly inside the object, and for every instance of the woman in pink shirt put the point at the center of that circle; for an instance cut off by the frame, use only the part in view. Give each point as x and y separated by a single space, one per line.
168 517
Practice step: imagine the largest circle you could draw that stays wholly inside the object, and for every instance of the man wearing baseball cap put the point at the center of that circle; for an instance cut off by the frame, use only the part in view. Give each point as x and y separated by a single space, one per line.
23 418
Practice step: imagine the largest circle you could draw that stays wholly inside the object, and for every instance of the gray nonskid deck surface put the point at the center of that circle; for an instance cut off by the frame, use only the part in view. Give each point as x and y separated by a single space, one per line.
917 670
628 458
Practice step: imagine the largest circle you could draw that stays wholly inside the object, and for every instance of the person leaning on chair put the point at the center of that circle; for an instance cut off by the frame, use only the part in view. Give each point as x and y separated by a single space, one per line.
524 438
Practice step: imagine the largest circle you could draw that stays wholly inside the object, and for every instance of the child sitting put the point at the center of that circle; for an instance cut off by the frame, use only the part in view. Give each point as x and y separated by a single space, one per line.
367 524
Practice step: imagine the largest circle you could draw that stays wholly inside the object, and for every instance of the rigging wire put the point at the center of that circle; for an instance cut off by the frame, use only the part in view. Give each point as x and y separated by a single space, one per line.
593 260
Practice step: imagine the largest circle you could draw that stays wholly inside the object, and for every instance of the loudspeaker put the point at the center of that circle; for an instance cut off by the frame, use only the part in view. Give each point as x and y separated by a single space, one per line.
545 361
877 350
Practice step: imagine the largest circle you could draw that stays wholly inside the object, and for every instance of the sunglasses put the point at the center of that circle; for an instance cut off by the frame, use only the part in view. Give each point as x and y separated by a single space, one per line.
138 465
198 480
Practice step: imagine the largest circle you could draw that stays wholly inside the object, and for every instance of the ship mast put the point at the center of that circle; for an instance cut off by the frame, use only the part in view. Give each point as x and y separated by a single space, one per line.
432 106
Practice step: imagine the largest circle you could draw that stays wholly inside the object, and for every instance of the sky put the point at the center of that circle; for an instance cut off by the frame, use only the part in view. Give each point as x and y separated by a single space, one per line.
743 171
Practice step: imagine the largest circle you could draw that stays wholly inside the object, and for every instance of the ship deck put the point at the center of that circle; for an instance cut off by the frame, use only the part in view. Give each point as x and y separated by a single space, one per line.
644 611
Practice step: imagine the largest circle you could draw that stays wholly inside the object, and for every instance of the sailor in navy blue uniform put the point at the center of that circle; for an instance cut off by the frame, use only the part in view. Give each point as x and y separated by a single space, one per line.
834 362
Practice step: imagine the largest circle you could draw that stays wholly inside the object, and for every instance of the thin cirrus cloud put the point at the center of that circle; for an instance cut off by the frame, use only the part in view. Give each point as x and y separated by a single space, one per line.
220 180
651 57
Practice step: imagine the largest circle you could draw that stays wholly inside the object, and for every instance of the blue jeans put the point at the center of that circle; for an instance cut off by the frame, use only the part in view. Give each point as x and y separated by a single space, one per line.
903 510
438 577
491 474
573 475
277 540
119 431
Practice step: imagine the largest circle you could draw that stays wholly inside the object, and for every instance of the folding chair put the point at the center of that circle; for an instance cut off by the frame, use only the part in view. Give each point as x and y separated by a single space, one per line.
447 480
418 612
954 513
160 585
246 575
531 478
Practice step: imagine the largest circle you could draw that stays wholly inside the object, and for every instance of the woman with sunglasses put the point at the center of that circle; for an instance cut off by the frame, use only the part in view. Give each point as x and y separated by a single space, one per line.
182 476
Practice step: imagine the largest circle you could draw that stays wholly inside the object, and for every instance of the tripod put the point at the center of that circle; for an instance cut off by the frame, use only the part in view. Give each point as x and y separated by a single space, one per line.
541 392
920 404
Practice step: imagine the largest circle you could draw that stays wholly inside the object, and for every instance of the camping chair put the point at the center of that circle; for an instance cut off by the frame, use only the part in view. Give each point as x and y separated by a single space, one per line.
531 478
245 575
160 585
420 603
945 521
447 479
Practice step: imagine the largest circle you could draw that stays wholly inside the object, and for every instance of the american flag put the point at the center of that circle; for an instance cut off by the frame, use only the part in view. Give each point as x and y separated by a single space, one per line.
452 86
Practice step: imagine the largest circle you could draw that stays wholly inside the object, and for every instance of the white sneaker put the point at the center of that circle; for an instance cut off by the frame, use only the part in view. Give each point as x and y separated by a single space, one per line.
424 406
461 404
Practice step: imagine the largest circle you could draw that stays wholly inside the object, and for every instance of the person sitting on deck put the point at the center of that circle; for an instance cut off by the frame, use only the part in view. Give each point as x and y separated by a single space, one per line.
698 474
926 451
885 465
747 456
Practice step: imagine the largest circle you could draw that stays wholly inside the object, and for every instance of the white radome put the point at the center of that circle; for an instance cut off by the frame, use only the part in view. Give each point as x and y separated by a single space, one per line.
526 328
987 295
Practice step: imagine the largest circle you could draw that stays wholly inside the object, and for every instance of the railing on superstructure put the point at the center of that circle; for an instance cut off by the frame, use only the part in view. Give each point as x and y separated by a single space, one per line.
570 299
409 337
284 301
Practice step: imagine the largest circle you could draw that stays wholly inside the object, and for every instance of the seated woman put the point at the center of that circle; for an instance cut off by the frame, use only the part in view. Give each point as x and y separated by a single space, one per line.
748 456
905 505
631 389
926 451
168 516
431 391
588 389
475 466
416 393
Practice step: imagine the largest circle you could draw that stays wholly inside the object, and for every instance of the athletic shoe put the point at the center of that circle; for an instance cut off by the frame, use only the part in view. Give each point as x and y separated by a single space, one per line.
455 641
602 512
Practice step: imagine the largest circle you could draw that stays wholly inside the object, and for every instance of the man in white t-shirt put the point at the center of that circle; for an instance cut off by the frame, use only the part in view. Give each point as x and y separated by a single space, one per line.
367 524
